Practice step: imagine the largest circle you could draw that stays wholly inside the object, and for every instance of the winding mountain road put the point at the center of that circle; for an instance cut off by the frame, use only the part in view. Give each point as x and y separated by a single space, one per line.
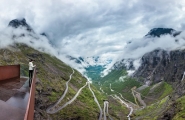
183 76
138 96
122 101
69 102
50 109
95 99
111 88
55 108
126 102
101 90
131 109
134 97
136 106
106 110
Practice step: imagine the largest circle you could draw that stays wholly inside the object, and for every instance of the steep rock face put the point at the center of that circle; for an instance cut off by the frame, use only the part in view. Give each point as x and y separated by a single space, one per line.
124 64
161 65
20 23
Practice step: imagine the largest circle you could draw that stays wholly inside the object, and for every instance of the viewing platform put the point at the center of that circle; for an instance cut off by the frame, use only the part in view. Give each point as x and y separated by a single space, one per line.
16 97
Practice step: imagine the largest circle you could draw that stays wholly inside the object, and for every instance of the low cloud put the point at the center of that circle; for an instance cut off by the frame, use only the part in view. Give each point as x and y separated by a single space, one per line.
10 36
137 48
89 28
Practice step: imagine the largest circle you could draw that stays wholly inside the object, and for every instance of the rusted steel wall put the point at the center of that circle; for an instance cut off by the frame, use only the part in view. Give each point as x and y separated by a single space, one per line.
31 103
9 71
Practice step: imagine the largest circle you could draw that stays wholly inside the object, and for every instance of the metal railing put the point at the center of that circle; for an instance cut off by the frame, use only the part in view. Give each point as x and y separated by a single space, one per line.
31 102
9 72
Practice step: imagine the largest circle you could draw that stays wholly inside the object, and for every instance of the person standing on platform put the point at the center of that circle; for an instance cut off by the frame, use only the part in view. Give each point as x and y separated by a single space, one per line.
31 67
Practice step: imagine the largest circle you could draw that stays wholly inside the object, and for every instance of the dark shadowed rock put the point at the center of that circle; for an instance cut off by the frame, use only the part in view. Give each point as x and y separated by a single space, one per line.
77 60
124 64
160 65
20 23
157 32
44 34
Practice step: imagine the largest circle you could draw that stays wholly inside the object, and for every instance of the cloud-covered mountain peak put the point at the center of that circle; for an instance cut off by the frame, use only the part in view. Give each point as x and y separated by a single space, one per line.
20 23
157 32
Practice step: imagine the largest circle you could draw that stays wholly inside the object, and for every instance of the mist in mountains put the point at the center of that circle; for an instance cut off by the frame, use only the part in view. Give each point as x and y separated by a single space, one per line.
134 49
110 30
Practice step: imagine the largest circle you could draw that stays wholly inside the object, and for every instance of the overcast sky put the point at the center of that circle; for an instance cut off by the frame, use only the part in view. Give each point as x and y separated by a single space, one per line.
94 27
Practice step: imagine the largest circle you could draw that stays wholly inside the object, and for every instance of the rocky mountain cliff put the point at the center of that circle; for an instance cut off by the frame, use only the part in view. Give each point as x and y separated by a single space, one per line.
160 65
20 23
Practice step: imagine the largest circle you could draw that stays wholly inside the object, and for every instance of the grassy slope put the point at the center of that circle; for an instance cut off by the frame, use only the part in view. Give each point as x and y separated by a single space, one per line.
180 115
154 108
123 87
52 75
159 92
152 111
158 95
